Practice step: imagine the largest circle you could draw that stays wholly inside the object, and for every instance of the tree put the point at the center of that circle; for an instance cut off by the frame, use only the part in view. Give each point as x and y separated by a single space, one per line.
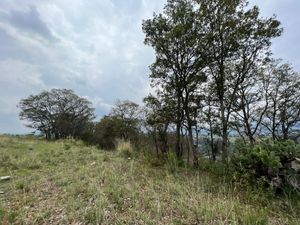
159 116
57 113
283 113
176 36
238 38
251 104
107 130
123 122
127 113
211 120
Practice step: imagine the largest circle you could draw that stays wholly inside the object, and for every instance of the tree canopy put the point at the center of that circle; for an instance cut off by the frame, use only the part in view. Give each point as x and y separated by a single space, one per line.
58 113
203 43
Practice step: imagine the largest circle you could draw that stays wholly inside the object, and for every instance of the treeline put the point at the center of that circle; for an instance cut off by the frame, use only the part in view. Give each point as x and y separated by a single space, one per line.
60 114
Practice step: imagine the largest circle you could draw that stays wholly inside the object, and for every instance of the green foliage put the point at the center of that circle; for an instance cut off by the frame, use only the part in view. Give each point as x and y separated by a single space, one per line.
216 168
58 113
265 164
121 123
106 132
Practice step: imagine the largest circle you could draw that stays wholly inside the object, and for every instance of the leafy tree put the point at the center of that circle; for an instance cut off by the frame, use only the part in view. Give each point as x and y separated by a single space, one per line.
176 38
283 113
238 38
123 122
107 130
128 115
58 113
251 104
211 120
159 116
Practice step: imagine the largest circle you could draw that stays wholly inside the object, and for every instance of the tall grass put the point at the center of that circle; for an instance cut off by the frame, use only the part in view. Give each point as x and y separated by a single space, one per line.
124 148
84 185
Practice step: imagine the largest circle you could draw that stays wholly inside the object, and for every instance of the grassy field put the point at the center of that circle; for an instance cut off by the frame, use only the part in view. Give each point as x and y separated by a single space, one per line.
66 182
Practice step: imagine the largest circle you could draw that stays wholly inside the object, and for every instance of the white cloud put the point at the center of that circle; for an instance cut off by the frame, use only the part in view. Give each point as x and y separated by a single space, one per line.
8 105
17 75
98 49
99 103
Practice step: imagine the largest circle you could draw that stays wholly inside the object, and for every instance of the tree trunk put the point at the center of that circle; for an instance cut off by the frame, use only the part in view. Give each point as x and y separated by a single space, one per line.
224 144
192 146
178 127
188 156
155 142
224 134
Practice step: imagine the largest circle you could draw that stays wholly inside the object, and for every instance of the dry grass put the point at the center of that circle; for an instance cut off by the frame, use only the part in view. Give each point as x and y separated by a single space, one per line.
56 184
124 148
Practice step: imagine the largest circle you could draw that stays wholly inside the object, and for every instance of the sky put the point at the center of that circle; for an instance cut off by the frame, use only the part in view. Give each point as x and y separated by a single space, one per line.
94 47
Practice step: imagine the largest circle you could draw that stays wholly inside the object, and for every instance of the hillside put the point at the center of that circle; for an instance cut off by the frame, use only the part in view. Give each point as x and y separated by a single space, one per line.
66 182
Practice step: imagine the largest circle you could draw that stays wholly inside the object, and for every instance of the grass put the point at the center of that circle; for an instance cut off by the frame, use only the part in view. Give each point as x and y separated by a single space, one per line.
66 182
124 148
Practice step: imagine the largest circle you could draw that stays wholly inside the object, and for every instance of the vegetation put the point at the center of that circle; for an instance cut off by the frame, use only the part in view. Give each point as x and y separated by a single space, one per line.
198 43
58 113
220 101
268 164
122 123
66 182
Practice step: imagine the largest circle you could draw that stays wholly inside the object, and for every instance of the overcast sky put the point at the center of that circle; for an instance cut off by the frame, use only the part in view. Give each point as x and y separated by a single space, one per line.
94 47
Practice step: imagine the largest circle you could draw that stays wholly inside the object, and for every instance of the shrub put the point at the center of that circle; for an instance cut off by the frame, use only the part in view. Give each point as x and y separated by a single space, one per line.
267 164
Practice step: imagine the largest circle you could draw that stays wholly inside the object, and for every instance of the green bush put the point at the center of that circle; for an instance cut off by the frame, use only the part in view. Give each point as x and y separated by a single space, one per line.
266 164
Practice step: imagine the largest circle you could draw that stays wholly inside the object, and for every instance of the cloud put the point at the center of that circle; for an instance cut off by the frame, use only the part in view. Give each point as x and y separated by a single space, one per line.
19 76
93 47
16 77
287 13
102 108
30 21
8 106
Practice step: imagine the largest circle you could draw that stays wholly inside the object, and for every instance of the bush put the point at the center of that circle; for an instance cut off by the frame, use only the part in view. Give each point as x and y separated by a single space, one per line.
111 128
267 164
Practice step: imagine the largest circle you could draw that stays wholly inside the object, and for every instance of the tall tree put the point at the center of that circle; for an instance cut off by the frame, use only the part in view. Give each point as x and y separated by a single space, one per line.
123 122
283 113
176 36
211 119
127 113
238 38
251 104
